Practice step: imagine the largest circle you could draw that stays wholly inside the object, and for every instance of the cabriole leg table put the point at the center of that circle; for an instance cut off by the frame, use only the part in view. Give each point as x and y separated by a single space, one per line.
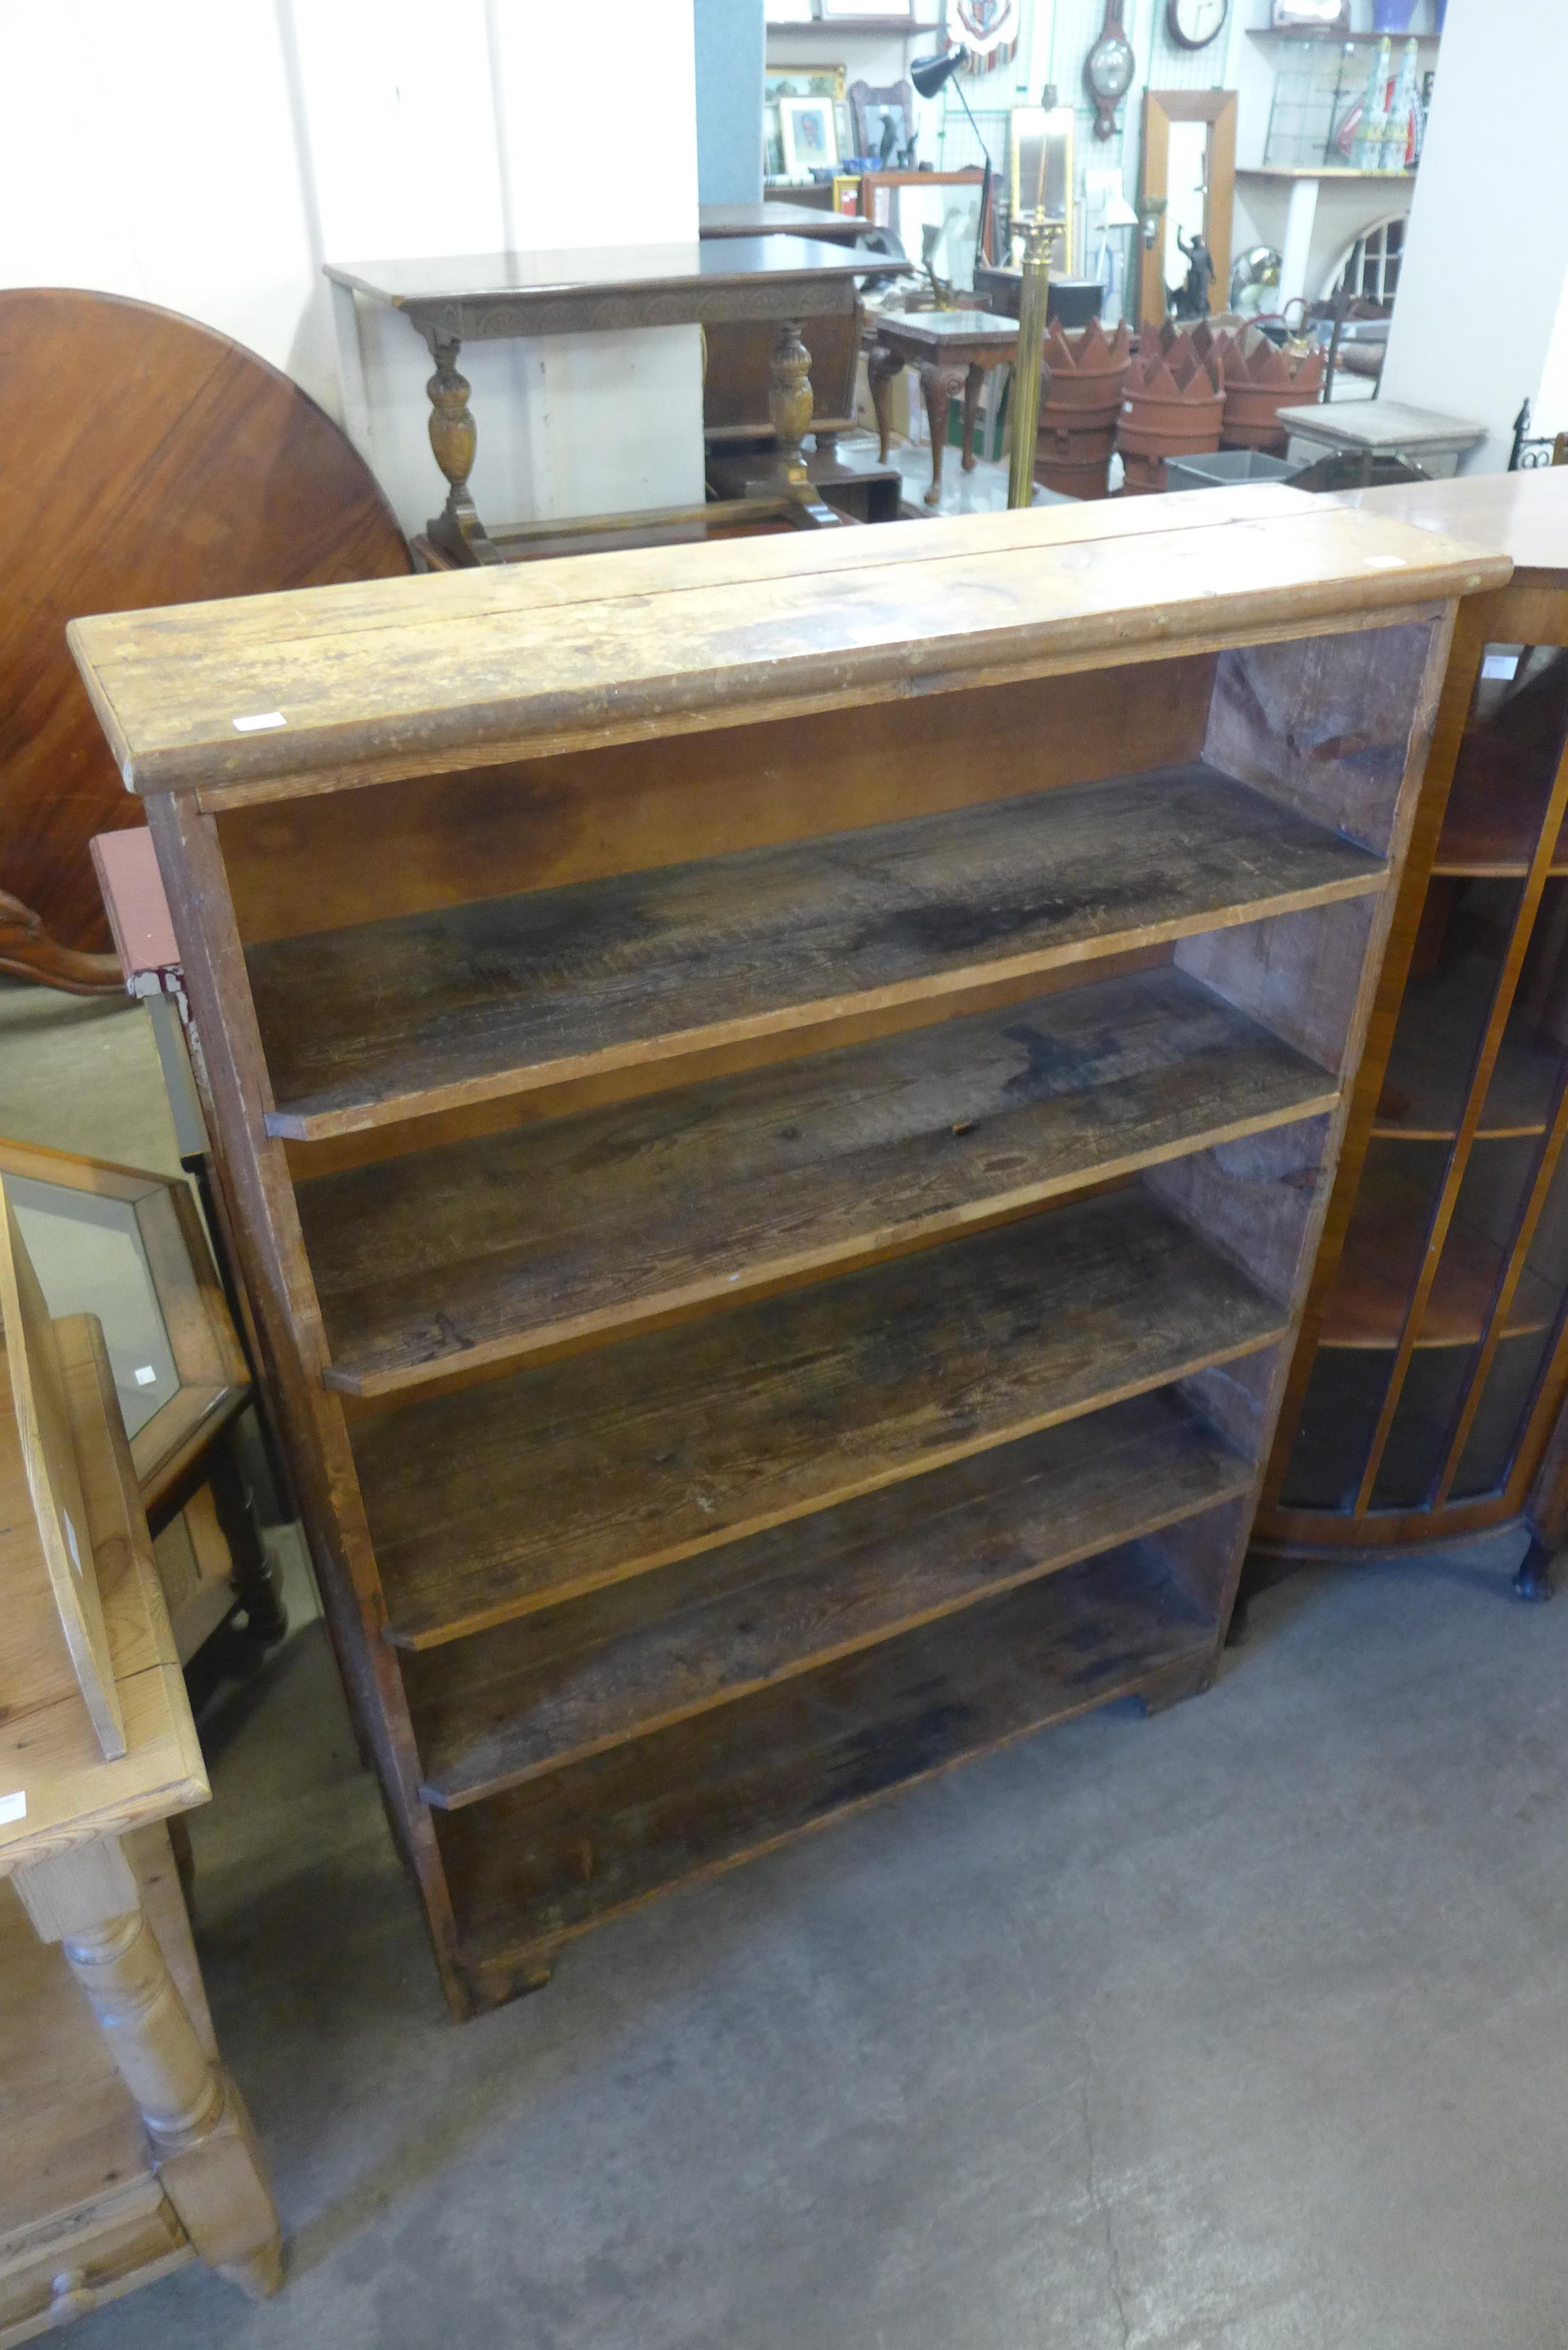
951 350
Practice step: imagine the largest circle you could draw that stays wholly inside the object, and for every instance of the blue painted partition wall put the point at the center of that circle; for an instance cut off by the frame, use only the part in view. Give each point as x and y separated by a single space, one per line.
730 53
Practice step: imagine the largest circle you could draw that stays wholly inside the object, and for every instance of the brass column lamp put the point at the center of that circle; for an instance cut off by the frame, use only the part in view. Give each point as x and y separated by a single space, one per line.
1029 372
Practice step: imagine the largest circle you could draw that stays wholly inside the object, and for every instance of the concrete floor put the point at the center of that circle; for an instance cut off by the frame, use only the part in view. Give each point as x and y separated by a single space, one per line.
1240 2029
982 490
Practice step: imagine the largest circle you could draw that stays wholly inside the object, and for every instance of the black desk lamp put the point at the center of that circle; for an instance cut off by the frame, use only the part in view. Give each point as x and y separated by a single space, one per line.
932 74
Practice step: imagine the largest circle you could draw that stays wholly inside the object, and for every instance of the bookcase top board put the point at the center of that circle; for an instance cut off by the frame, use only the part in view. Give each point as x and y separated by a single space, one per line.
268 696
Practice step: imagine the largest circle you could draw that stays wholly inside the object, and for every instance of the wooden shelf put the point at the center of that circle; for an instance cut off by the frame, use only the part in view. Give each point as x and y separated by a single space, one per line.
391 1019
1383 1253
557 1687
707 1793
493 1500
1492 828
895 28
490 1249
1435 1047
1332 39
1314 172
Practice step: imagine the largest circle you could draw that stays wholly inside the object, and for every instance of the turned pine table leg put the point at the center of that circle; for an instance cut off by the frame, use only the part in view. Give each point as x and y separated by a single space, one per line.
454 438
940 385
790 401
88 1901
882 366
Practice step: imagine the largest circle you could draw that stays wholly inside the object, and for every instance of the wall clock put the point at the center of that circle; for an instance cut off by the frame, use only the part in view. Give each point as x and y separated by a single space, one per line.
1108 69
1193 24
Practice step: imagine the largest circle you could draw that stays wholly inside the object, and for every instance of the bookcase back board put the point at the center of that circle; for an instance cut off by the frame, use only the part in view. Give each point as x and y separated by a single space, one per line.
775 1105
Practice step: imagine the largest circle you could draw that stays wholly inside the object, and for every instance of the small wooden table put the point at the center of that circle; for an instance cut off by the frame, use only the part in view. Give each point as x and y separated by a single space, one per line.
127 2150
950 351
1371 429
605 290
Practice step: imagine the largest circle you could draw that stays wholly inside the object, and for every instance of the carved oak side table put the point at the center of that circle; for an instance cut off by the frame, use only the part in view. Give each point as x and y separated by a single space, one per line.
951 350
600 289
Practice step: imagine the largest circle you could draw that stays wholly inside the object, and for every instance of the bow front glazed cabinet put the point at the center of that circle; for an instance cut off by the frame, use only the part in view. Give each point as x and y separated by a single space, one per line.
1424 1404
775 1102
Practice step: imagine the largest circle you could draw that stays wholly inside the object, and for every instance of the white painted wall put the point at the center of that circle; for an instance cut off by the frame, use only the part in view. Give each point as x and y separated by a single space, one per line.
1477 324
1551 402
210 154
153 151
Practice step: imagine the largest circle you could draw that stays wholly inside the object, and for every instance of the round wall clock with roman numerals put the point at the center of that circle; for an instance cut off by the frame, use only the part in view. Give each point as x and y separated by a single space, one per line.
1108 69
1193 24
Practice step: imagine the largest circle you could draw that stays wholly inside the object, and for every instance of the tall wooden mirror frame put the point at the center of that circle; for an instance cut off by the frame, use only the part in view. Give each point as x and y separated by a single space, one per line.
1162 108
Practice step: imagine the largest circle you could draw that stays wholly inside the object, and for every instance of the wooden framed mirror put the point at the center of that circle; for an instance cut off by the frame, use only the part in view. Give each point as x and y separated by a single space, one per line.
1188 182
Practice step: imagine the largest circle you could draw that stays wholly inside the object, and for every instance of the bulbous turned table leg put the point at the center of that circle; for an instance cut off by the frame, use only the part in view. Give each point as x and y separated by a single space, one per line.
454 439
790 403
200 2134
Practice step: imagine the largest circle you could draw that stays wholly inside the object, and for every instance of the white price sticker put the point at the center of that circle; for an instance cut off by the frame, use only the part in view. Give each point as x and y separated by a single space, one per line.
1499 665
145 1376
259 722
13 1807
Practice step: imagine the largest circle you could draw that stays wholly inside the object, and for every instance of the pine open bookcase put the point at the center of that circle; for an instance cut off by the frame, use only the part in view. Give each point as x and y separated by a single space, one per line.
776 1101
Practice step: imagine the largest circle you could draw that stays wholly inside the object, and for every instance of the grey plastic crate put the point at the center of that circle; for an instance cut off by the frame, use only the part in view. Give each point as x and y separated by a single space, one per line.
1223 468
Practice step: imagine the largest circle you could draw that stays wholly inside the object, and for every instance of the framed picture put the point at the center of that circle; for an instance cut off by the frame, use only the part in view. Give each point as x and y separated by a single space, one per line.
883 118
801 81
809 135
798 81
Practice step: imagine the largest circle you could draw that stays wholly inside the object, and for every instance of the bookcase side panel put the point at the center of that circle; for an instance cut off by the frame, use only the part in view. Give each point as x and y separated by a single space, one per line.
1299 973
1256 691
1333 724
259 1199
